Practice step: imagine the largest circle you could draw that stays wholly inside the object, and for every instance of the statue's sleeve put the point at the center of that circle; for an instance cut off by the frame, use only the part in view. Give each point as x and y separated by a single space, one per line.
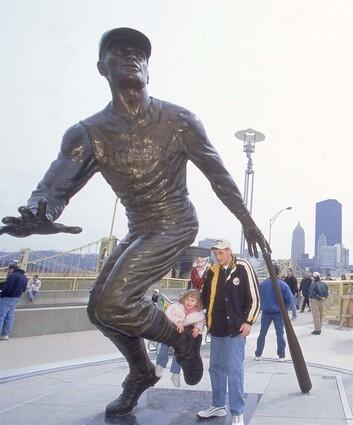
202 153
74 166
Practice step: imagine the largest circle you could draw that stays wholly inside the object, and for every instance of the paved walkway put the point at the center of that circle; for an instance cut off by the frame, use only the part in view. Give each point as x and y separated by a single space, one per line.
67 379
334 347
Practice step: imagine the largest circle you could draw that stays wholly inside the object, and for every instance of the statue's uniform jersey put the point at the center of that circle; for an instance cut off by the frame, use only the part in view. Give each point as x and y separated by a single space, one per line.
143 159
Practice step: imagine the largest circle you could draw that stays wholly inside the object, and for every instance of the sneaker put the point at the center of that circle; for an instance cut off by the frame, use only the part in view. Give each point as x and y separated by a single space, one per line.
176 379
257 359
281 359
4 337
316 332
212 412
294 317
238 420
159 371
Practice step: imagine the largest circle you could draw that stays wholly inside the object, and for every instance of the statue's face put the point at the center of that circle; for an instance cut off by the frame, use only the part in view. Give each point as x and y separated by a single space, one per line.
125 66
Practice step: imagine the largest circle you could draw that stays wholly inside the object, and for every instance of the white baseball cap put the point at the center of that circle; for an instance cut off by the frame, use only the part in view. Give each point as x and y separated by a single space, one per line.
221 244
316 274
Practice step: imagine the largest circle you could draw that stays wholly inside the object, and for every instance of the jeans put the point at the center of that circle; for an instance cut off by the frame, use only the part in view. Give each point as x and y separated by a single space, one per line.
266 320
294 305
227 367
7 314
32 293
163 357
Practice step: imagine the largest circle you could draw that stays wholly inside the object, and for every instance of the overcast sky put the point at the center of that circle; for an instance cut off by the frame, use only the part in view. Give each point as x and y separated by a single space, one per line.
282 67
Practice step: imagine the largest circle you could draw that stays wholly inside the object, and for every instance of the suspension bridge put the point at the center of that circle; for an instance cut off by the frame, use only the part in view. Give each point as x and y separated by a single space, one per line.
86 260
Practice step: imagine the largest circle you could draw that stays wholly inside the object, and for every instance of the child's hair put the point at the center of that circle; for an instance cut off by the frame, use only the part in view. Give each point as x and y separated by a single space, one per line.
193 293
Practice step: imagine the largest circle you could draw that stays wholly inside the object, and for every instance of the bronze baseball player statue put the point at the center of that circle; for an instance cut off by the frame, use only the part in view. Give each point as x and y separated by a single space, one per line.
141 146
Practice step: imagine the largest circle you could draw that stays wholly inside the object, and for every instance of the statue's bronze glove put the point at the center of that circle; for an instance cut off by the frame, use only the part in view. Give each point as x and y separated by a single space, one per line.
38 223
254 237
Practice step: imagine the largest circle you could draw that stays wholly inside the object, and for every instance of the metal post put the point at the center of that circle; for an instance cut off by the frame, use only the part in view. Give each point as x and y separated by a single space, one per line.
249 138
24 258
272 220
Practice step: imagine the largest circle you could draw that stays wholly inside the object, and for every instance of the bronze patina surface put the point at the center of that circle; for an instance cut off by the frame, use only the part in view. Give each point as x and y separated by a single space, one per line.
141 145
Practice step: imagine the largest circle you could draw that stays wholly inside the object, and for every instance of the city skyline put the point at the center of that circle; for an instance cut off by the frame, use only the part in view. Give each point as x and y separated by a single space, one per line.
298 240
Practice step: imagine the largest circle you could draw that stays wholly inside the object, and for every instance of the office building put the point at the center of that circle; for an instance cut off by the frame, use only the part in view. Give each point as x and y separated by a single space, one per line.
328 222
298 244
183 265
207 243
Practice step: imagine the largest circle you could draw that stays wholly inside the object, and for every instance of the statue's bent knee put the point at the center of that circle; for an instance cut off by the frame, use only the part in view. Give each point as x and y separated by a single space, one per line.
112 315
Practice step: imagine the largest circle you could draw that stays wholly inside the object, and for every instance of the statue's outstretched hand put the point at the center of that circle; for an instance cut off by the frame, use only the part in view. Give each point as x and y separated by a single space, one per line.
34 224
254 237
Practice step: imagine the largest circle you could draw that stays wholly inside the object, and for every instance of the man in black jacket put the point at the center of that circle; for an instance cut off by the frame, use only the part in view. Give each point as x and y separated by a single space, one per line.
304 288
231 298
15 285
291 281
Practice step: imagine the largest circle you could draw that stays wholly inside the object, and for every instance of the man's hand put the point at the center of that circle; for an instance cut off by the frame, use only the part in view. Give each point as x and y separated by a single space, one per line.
195 332
180 327
34 224
245 329
254 236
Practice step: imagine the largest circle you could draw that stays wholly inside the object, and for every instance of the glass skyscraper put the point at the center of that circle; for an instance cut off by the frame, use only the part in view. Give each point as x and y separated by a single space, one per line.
328 222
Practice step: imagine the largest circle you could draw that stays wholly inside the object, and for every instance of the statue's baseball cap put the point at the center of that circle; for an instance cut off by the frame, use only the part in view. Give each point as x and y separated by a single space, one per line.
221 244
126 35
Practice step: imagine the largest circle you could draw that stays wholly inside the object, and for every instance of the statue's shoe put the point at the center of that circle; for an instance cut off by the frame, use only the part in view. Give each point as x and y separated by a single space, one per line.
134 386
190 360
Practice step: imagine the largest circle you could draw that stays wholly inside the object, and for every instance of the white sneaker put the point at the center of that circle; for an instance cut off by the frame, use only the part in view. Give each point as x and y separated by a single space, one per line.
176 379
281 359
238 420
159 371
257 359
4 337
211 412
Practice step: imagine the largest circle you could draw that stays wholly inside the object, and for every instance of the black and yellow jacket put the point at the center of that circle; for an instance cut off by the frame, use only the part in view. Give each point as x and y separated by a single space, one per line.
242 301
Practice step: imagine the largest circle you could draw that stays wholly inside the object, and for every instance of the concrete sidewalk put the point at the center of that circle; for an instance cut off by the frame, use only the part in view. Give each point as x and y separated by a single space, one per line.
333 347
67 379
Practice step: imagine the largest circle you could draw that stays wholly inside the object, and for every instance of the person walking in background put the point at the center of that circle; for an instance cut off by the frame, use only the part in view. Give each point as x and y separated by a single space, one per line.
15 285
291 281
271 313
33 287
187 315
318 292
304 289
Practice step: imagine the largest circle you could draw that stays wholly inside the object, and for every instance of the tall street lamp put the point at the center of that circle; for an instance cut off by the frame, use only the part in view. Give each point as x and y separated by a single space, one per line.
249 137
273 219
